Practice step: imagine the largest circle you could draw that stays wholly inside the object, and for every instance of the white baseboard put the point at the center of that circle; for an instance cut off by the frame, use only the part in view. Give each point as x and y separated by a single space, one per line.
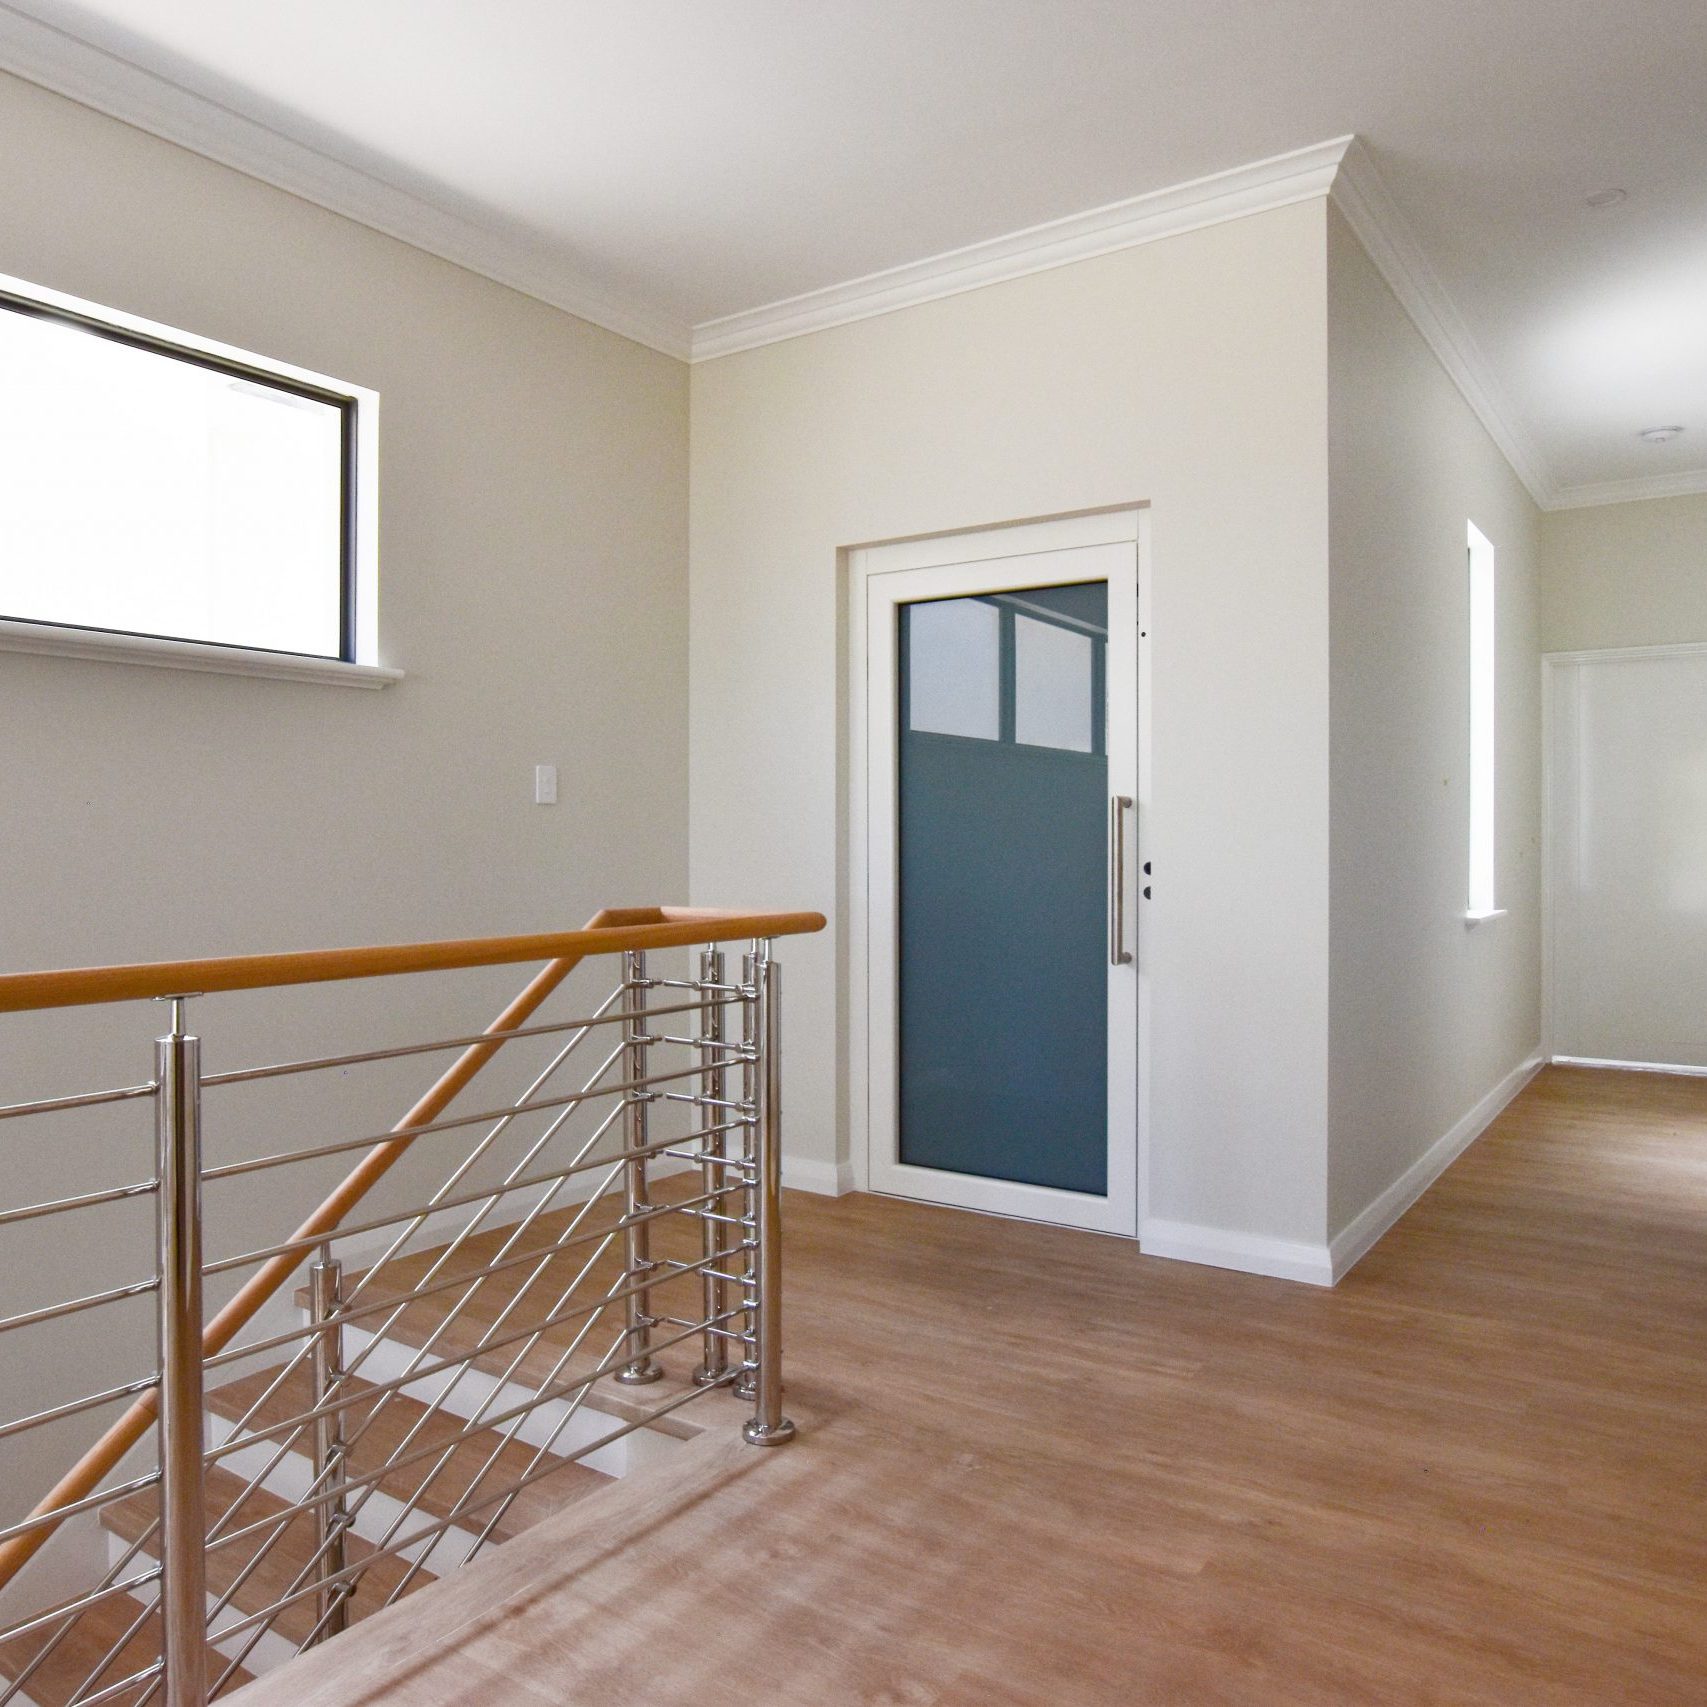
827 1179
1250 1253
1629 1066
1358 1236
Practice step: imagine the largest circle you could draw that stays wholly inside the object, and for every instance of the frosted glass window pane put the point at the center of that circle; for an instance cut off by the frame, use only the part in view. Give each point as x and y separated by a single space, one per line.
1052 686
149 495
954 673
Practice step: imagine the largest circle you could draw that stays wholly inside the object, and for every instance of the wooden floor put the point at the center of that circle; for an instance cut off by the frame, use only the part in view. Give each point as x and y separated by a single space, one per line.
1037 1467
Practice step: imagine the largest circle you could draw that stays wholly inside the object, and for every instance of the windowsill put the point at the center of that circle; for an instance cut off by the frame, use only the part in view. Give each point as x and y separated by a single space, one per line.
189 655
1474 919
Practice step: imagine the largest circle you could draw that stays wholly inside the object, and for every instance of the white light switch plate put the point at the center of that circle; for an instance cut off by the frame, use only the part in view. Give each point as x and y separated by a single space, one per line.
545 785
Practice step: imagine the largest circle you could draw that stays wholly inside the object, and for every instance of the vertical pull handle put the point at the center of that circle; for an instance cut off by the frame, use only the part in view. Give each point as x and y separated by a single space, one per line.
1118 953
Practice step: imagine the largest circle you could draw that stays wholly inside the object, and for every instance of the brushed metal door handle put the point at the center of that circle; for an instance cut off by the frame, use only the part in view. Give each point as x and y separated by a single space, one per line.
1118 953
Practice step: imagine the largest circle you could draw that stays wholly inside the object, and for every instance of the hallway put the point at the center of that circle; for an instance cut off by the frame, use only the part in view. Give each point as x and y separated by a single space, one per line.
1036 1467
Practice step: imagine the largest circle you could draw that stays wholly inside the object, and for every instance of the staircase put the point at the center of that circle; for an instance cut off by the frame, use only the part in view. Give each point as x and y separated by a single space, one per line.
448 1468
609 1254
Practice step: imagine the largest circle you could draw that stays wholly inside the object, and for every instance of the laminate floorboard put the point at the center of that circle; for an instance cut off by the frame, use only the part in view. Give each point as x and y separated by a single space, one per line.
1038 1469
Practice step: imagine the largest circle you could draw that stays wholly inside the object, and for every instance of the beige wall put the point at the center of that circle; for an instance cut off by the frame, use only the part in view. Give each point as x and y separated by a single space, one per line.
1188 375
534 533
533 546
1429 1015
1624 574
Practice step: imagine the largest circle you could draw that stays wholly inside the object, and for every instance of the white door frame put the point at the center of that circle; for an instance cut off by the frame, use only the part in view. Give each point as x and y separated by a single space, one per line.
870 821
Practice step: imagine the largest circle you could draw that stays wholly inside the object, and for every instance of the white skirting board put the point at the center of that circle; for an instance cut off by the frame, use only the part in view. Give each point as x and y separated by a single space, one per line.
1249 1253
1358 1236
1679 1068
1323 1265
827 1179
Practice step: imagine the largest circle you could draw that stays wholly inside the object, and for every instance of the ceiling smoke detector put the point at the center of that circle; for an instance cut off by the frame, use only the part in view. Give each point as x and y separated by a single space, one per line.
1659 435
1606 198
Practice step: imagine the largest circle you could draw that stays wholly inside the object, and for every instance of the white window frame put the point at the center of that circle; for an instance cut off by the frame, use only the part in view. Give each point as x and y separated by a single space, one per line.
364 669
1482 903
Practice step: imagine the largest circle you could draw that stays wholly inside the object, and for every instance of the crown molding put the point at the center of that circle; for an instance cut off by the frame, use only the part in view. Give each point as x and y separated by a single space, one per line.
96 76
1370 211
1686 483
1256 188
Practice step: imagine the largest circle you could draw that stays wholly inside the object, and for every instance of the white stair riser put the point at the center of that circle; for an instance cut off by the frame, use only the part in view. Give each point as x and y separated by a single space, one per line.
292 1475
468 1390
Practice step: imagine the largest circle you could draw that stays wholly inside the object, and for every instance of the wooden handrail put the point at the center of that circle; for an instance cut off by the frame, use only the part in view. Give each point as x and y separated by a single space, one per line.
611 931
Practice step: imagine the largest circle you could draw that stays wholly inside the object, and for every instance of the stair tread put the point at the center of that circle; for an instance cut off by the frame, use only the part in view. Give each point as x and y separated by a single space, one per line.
483 1464
73 1664
287 1548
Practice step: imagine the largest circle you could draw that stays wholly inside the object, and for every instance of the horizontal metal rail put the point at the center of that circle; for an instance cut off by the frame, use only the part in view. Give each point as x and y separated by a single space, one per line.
735 1051
70 1608
552 1393
728 1220
76 1406
86 1099
86 1200
331 1520
68 1623
524 1184
395 1305
408 1134
349 1310
740 1162
710 1324
703 1266
104 1496
427 1371
349 1313
267 1614
244 1075
49 1312
705 1101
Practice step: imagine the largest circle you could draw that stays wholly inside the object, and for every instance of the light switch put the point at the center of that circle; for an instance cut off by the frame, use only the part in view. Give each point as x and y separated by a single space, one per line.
545 785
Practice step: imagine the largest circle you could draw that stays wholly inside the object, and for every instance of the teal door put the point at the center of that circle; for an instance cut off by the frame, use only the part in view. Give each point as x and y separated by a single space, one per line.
997 908
1002 810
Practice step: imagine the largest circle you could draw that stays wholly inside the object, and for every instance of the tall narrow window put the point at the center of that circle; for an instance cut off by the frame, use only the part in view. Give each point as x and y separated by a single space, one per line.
1482 904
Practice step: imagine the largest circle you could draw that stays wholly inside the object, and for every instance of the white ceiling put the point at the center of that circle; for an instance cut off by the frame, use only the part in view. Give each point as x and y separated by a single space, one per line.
692 159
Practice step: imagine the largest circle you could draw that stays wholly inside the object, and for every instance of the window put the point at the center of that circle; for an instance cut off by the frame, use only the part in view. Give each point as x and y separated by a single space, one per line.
1054 685
1024 669
160 487
955 671
1481 904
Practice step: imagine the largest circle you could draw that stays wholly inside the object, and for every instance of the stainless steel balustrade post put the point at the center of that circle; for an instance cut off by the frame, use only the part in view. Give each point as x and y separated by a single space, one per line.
746 1383
183 1554
768 1426
637 1239
714 1366
331 1517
